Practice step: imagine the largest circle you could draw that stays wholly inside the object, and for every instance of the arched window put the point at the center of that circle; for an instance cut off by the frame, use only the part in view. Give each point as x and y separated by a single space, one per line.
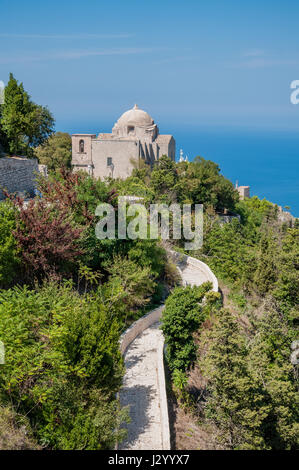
81 146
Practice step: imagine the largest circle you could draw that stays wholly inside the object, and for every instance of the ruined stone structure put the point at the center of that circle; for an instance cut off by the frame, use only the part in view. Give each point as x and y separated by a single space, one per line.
134 136
17 175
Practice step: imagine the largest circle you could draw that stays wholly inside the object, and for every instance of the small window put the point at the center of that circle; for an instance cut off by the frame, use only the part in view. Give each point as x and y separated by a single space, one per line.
131 130
81 146
109 161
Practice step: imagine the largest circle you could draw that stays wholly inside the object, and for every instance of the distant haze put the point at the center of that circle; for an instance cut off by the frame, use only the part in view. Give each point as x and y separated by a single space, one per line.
207 72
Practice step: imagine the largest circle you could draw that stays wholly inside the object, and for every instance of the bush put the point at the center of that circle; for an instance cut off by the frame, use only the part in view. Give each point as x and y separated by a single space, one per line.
182 316
9 252
236 405
47 238
56 152
63 365
251 394
15 432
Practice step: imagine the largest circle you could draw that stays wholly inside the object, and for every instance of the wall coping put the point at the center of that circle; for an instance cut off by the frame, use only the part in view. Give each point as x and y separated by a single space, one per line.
203 267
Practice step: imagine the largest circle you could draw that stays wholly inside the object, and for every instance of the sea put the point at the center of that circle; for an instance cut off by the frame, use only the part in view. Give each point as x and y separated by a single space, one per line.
265 160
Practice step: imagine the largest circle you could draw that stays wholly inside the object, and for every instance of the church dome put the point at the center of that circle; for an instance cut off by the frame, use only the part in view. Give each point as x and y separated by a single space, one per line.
136 117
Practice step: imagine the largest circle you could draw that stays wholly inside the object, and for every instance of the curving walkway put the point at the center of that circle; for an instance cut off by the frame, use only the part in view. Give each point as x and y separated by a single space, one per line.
141 391
144 383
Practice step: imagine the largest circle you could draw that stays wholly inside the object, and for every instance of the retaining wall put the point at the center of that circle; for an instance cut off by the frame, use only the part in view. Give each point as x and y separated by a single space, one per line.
17 175
203 269
153 317
139 326
126 339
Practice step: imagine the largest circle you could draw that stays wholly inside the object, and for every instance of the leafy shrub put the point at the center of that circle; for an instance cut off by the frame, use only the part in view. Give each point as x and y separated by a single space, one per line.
77 192
148 253
251 395
236 404
56 151
9 252
63 365
128 289
47 238
180 382
182 316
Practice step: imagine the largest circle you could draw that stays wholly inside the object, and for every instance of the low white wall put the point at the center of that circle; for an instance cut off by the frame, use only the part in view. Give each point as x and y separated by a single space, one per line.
126 339
153 317
139 326
165 431
204 269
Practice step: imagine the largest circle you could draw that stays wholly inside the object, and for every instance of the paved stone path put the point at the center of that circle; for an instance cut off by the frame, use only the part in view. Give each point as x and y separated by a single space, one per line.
191 275
141 391
141 385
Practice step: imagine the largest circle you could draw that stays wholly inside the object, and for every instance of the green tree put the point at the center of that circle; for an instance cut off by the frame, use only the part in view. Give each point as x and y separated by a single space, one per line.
286 287
163 179
254 212
200 182
181 317
63 365
3 138
226 250
269 362
267 269
24 123
56 151
133 186
236 405
9 252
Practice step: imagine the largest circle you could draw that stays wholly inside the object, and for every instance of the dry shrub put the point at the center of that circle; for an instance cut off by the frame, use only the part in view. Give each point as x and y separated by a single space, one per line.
15 433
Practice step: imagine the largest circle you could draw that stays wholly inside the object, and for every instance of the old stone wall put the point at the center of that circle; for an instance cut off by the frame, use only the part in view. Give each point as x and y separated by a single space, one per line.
122 152
82 158
139 326
17 175
193 271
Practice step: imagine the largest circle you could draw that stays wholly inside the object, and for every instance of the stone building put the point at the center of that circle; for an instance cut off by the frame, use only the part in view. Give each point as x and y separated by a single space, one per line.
244 191
134 136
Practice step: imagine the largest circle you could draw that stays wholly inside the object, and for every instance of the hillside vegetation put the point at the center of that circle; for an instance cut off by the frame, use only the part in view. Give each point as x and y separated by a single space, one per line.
66 297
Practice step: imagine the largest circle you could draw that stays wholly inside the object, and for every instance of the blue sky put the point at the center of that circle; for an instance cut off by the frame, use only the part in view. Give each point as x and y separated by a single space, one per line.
189 63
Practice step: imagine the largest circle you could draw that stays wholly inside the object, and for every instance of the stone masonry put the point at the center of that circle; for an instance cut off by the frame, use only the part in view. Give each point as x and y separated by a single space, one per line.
17 175
134 137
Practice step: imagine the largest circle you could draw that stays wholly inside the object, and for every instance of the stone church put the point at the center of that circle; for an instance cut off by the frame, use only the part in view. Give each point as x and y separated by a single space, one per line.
134 136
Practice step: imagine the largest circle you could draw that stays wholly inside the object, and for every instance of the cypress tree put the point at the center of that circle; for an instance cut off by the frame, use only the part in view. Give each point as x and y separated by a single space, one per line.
24 124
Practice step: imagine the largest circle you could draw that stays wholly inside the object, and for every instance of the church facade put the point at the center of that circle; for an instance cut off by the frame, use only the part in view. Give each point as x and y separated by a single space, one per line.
134 136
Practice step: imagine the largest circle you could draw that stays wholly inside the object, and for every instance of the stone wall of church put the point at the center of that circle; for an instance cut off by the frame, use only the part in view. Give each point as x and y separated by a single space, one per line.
79 157
167 148
17 175
122 152
171 149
